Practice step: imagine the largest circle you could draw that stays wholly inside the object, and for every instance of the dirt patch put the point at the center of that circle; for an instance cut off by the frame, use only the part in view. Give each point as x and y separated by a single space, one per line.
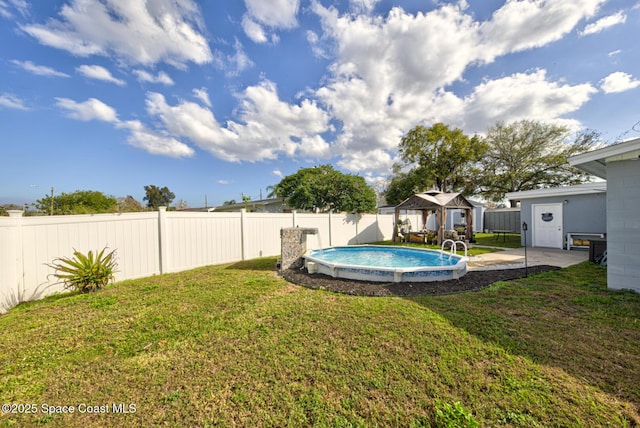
472 281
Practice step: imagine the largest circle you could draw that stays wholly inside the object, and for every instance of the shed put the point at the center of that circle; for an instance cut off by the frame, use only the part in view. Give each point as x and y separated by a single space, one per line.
619 164
556 215
439 203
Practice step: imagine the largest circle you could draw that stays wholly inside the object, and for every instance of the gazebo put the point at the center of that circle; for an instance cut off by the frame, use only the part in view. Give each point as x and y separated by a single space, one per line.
439 203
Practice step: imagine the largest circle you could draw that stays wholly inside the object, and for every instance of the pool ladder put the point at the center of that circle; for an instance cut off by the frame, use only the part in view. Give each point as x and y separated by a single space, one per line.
454 245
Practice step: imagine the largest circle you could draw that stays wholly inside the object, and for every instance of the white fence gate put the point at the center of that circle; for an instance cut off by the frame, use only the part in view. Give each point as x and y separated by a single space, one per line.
159 242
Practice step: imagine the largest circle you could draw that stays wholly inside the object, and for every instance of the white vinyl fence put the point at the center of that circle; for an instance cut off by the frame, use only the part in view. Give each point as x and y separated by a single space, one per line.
159 242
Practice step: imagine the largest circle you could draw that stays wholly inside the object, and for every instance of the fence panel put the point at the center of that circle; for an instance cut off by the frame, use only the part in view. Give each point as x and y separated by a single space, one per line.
11 284
262 233
320 222
200 239
159 242
502 219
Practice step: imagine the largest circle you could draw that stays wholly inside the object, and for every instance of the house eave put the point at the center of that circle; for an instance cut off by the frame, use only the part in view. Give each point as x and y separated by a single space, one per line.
595 162
580 189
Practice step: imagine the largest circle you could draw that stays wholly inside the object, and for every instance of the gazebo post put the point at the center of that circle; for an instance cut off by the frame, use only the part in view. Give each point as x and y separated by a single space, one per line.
441 213
394 236
469 218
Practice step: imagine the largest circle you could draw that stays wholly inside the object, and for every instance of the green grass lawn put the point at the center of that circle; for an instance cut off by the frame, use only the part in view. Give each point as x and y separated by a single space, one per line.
511 240
236 345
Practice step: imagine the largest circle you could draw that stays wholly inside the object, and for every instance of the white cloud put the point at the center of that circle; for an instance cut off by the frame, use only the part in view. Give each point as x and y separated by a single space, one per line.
202 95
161 77
39 70
134 32
155 143
363 6
614 52
392 73
604 23
314 147
12 102
274 15
376 160
522 96
316 45
192 121
266 126
223 182
232 64
7 8
277 173
618 82
91 109
99 73
527 24
253 30
239 61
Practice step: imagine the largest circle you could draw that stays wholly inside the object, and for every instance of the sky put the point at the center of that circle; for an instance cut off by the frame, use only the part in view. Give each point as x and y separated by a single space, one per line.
220 99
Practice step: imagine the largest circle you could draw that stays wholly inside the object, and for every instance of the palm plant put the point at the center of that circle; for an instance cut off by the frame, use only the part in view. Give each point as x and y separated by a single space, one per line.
85 272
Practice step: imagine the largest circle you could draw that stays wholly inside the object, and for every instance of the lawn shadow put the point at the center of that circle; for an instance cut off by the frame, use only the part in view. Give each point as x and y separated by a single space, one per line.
567 319
262 264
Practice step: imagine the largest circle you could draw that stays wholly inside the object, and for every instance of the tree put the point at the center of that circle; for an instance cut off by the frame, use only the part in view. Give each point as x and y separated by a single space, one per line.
245 200
324 188
440 155
527 155
271 191
78 202
129 204
406 184
158 197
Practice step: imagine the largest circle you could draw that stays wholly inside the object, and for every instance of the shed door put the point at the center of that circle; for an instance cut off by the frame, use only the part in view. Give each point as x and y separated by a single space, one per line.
547 226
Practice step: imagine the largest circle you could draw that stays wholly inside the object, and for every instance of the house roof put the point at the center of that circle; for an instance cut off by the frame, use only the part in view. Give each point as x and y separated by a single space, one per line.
595 162
253 204
580 189
433 200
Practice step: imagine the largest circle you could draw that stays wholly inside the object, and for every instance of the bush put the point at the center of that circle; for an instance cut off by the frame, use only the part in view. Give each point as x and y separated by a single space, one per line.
85 273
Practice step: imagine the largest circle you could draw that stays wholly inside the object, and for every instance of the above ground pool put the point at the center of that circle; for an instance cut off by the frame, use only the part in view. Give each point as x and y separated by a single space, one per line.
386 263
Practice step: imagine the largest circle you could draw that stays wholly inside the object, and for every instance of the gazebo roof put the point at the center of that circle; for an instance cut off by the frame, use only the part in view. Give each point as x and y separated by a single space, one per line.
434 199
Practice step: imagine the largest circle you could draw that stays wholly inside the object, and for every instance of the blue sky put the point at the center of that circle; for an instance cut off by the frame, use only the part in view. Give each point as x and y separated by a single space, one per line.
222 98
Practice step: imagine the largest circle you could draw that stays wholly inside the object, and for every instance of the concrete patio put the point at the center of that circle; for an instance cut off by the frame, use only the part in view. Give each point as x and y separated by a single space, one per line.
514 258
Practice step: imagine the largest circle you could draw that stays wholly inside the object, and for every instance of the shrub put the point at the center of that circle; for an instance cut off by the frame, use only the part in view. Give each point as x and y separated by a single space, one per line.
85 272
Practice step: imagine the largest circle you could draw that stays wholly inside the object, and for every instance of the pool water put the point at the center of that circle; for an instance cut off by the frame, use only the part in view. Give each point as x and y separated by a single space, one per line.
386 263
384 257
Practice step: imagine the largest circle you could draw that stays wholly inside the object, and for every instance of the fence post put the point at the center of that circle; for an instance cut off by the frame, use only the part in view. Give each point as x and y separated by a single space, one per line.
164 239
294 218
243 233
330 231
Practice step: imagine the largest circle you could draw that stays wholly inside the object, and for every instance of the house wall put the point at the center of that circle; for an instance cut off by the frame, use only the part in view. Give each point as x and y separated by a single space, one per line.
581 213
623 225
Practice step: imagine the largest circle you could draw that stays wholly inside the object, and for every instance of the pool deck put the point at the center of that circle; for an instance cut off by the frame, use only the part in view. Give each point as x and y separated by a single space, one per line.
514 258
